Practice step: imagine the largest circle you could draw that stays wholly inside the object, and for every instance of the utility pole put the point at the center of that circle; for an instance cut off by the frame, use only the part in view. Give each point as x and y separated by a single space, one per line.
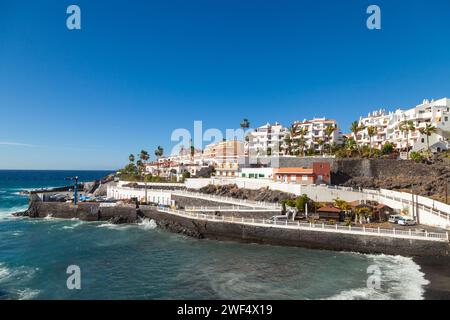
412 203
75 189
417 209
145 185
446 191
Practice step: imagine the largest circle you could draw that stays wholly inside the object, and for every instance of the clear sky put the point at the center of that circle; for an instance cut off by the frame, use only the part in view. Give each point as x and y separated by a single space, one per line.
137 70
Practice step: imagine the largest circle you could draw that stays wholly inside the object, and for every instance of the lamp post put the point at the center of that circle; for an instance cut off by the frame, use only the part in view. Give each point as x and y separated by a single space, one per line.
75 189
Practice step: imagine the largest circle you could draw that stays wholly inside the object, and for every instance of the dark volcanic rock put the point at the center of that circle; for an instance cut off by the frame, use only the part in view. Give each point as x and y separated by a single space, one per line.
263 194
21 214
424 179
122 220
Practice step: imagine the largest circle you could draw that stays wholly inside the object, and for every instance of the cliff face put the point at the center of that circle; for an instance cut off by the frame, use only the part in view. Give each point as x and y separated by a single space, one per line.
425 179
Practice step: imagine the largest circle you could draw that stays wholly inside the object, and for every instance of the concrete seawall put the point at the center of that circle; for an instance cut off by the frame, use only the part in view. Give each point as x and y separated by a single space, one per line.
300 238
220 230
83 211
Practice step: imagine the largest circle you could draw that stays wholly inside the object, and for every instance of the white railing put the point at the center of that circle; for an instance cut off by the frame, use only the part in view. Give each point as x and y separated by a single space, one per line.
431 206
151 184
244 202
406 198
393 233
230 208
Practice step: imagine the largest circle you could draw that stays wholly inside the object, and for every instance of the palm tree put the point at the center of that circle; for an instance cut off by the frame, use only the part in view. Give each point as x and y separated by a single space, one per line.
245 124
289 139
158 153
192 151
292 134
371 131
288 144
428 131
355 129
140 166
407 126
321 143
328 133
342 204
350 145
301 142
144 156
131 157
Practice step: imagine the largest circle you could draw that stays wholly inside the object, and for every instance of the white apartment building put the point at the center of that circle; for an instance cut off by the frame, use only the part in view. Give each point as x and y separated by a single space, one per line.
267 140
315 132
388 127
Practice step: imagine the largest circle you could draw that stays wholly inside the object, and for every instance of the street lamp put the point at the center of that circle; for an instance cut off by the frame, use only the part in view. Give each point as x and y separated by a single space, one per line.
75 189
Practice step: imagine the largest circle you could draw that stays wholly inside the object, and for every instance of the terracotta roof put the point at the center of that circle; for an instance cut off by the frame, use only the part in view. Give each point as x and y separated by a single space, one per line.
354 203
329 209
294 170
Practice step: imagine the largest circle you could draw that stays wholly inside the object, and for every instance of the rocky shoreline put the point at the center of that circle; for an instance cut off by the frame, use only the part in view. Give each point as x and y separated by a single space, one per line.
222 230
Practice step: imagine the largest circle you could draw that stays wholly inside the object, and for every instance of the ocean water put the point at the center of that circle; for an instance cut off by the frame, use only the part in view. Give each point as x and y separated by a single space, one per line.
143 262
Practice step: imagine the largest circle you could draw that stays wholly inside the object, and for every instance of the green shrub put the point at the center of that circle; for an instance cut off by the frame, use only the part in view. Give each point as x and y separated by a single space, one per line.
416 156
388 148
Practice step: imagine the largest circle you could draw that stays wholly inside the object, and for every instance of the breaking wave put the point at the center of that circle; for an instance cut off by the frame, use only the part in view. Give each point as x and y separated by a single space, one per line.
147 224
401 279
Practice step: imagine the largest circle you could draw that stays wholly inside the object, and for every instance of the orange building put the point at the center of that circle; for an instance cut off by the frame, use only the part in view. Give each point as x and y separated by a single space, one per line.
318 174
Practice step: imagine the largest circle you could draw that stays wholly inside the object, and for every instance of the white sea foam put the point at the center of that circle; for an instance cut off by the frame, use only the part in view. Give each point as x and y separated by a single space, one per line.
7 214
20 194
13 276
107 225
4 272
73 226
147 224
27 294
401 279
13 209
110 225
21 273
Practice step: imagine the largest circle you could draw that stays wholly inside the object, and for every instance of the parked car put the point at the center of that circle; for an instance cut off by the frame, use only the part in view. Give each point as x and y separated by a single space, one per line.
395 218
406 222
278 218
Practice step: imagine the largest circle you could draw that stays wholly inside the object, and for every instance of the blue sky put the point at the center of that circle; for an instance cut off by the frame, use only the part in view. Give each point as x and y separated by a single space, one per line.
140 69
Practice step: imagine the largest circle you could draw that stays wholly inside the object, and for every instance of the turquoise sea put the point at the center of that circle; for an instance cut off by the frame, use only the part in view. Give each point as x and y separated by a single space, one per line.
142 262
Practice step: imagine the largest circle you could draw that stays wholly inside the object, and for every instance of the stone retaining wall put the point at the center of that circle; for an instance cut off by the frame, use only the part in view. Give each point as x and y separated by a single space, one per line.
238 232
300 238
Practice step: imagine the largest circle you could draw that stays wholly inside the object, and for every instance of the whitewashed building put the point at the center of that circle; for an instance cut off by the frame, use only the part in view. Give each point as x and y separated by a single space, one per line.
267 140
316 131
388 127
